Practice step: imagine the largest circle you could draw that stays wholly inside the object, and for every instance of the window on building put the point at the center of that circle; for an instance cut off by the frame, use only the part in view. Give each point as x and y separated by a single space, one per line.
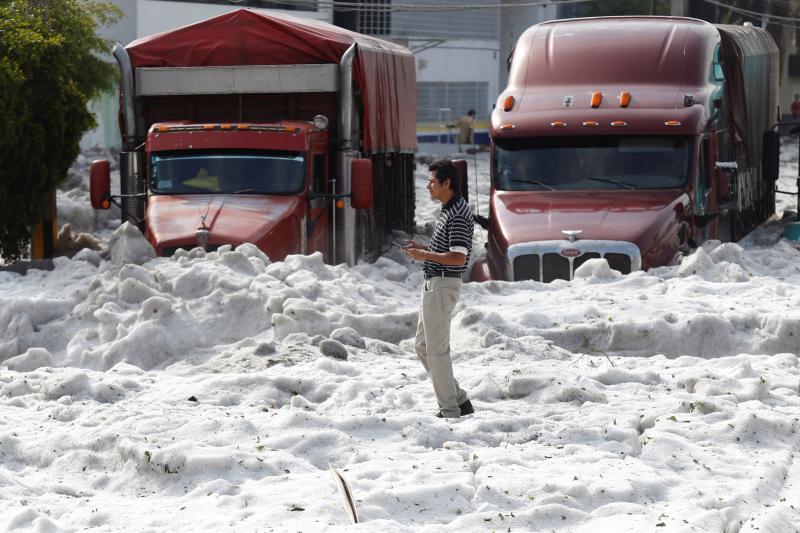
375 17
454 20
434 97
264 4
794 66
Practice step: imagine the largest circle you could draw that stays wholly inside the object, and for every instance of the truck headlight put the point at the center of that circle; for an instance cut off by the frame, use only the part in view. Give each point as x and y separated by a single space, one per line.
321 122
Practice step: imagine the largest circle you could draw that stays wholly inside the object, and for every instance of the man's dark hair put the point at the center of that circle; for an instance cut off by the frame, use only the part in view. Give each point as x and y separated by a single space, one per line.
471 112
446 170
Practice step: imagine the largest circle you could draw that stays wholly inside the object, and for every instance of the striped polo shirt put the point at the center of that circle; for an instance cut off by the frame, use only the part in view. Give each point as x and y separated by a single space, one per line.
453 233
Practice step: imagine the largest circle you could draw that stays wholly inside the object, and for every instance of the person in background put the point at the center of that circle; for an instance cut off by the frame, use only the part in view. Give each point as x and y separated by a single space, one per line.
796 107
466 129
446 259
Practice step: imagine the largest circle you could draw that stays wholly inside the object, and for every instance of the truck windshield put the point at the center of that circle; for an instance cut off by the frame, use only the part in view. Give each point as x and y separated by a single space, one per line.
227 172
591 163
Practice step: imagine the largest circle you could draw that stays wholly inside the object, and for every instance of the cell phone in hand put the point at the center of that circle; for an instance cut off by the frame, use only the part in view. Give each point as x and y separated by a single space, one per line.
403 246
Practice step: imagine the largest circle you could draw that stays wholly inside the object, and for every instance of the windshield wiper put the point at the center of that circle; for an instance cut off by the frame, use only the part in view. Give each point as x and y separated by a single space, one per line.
615 182
533 182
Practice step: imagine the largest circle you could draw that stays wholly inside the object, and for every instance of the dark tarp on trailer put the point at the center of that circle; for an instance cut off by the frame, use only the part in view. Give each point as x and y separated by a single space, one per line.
384 73
749 56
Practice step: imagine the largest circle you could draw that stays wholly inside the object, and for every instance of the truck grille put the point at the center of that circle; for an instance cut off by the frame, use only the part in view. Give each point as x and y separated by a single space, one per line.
619 262
555 267
526 267
543 261
170 251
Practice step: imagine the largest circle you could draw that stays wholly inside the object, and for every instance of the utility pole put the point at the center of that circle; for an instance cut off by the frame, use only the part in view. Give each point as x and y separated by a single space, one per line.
45 232
43 237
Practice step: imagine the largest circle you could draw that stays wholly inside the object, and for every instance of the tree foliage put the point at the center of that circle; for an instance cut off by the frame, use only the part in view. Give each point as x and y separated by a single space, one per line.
50 67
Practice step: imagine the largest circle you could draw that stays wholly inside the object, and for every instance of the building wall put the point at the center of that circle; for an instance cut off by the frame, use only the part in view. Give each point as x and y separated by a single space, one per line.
513 23
457 50
105 107
124 31
155 16
451 22
466 66
106 134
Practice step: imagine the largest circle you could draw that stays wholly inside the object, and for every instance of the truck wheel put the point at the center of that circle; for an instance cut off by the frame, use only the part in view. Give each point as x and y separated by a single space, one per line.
684 240
736 226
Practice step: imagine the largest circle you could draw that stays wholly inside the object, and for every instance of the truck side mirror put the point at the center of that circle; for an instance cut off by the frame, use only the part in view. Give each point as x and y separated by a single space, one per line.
361 183
770 156
100 184
463 184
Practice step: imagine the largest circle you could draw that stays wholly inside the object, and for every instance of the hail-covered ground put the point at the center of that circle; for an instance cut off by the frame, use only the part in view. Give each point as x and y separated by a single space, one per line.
214 392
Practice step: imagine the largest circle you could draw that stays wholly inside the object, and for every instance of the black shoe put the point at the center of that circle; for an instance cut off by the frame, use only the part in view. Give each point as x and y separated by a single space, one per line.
466 408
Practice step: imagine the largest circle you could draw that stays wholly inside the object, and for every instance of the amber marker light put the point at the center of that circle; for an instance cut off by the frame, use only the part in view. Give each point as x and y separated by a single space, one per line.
624 99
505 127
590 124
672 123
163 128
340 203
208 126
619 123
243 126
106 203
225 126
558 124
508 103
597 97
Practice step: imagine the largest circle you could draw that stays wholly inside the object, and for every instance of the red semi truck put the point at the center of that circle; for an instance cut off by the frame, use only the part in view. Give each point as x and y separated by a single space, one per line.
633 139
288 133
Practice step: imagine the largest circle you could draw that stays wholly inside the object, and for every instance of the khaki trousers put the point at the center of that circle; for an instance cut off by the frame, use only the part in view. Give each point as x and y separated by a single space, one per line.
439 297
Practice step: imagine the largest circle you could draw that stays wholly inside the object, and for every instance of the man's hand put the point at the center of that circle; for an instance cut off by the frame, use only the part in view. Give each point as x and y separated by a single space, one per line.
416 250
419 254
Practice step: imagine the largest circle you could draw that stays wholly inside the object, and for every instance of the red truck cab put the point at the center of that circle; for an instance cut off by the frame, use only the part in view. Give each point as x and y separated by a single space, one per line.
623 138
214 184
266 129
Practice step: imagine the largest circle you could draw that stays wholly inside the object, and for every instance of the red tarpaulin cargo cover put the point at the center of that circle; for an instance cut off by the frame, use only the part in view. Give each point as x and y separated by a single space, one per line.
384 72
